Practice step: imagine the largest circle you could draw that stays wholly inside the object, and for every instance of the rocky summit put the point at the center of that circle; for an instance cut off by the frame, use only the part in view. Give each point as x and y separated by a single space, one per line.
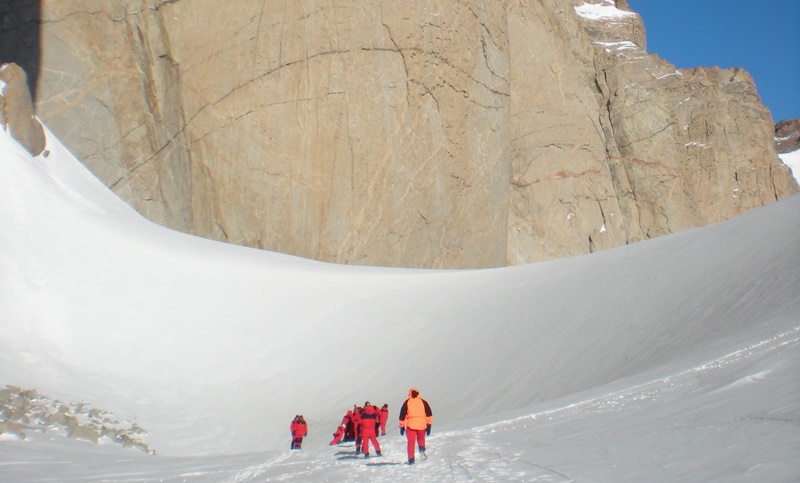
432 134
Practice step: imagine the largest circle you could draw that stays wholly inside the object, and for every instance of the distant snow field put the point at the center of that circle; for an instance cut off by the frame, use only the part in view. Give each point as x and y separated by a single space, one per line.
673 359
792 160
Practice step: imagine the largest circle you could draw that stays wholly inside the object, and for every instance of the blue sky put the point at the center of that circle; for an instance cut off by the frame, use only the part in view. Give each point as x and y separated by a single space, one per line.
763 36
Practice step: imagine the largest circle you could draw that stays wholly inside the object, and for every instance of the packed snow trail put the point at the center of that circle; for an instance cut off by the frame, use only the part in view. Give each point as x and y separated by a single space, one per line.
631 430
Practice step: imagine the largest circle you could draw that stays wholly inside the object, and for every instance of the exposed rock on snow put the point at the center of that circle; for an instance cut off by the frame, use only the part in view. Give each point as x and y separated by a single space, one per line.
16 109
27 410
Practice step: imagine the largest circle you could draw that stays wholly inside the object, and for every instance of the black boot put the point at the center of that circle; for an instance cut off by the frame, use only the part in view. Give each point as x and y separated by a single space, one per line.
410 461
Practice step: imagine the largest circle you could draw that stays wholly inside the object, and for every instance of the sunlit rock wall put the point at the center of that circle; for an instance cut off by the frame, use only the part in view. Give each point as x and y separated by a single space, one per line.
433 134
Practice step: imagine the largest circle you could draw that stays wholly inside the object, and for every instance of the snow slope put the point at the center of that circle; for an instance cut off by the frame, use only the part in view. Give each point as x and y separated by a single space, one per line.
792 160
674 358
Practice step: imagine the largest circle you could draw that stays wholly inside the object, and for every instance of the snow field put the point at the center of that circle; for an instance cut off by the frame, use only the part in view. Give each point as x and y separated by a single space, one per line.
673 357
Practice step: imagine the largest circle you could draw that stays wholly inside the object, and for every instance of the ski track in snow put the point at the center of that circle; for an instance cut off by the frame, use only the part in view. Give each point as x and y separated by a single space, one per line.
496 452
482 453
491 452
658 389
652 392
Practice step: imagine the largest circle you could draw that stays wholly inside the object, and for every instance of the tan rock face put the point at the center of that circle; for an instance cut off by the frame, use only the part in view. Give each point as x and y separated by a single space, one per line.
367 133
686 148
439 134
16 109
615 146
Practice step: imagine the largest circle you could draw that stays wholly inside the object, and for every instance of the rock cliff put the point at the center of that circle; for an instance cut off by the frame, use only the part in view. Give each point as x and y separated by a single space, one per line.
440 134
787 135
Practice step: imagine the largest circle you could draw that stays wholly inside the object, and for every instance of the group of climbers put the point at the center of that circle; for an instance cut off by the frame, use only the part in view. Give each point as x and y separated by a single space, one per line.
363 424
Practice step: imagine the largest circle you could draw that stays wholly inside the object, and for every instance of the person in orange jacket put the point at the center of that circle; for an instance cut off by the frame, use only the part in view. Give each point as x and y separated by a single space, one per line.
299 430
383 418
416 418
369 415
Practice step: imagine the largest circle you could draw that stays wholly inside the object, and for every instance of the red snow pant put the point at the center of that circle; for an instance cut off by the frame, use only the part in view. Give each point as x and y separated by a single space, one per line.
337 436
297 440
415 436
365 443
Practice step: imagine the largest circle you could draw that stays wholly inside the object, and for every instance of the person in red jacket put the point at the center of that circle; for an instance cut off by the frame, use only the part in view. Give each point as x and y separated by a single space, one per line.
356 418
299 430
416 418
293 428
383 418
349 432
369 415
338 435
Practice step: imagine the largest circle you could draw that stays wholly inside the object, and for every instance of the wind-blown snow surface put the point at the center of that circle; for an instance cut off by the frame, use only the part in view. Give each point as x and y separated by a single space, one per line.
670 359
